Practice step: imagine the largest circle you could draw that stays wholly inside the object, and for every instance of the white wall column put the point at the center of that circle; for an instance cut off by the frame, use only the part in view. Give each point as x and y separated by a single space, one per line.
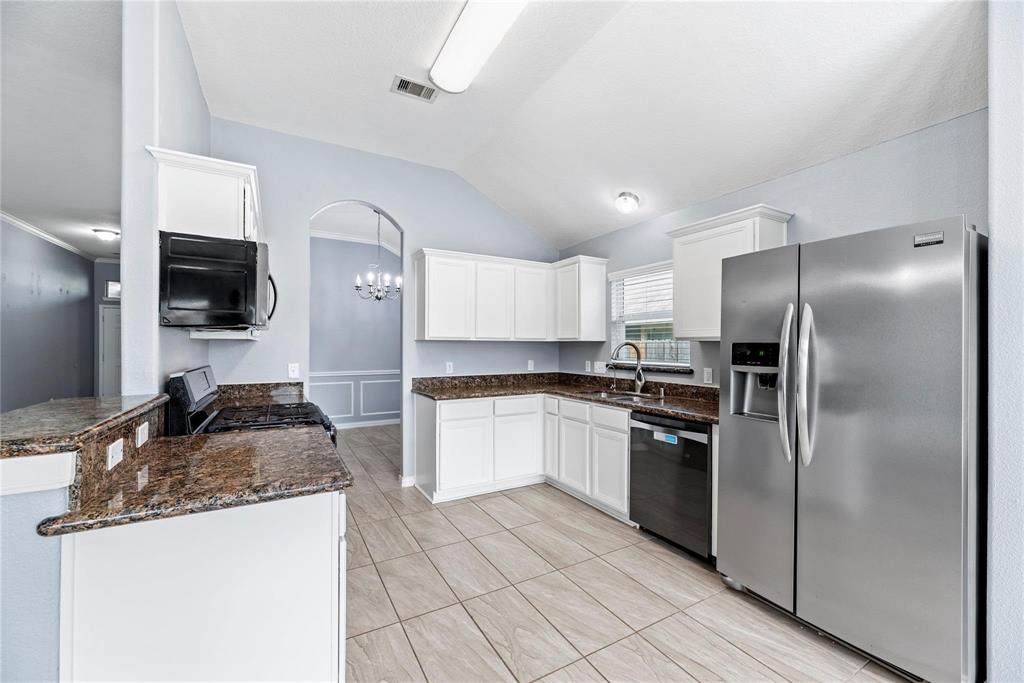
1006 339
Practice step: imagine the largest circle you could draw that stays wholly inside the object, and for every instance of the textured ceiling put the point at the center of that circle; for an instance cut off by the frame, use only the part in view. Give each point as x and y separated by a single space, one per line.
60 161
676 101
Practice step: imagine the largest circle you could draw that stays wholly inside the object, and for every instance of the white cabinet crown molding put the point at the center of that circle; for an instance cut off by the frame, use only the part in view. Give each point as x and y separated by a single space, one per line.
200 163
756 211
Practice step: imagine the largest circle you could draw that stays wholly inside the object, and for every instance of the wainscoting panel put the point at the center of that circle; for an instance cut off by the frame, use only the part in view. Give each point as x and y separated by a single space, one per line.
354 396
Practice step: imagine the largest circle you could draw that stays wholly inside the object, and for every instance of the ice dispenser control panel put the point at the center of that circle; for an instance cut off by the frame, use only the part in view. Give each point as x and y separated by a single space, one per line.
755 373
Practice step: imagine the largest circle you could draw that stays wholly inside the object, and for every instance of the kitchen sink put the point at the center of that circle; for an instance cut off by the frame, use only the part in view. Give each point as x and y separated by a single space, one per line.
624 396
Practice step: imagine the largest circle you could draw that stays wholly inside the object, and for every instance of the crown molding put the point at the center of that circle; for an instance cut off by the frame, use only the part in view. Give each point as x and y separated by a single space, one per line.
106 259
755 211
345 237
33 230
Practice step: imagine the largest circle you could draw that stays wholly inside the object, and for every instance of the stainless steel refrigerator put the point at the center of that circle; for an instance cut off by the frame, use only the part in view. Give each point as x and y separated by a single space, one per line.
851 438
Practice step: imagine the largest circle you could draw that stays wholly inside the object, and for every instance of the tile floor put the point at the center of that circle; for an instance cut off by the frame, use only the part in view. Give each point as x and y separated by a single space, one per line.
531 584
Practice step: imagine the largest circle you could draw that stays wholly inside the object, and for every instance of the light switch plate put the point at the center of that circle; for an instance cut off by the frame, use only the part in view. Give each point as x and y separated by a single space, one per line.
141 434
588 366
115 453
449 367
709 376
600 367
293 371
529 366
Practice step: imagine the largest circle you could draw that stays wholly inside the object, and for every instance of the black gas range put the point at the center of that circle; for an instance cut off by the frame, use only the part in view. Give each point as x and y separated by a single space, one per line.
193 392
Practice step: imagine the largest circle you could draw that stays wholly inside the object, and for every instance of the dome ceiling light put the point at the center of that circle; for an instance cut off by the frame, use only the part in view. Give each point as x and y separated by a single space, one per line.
627 202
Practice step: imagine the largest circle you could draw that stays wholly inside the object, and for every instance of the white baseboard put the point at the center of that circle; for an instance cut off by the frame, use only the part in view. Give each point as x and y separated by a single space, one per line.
407 481
366 423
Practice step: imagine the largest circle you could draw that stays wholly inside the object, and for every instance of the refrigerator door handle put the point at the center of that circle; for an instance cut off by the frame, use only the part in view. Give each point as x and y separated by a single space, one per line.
783 381
805 434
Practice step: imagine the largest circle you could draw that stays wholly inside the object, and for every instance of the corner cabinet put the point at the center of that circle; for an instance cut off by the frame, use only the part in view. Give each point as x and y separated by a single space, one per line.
205 196
473 446
697 253
472 297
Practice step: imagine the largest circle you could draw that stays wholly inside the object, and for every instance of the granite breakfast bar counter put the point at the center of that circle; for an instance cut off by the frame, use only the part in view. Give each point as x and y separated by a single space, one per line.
187 539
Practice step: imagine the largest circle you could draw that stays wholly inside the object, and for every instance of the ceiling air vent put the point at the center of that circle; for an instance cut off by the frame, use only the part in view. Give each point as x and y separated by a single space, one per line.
403 86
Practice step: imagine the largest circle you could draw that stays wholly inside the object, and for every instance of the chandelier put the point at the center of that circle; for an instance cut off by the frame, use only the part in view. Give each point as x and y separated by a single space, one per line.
378 284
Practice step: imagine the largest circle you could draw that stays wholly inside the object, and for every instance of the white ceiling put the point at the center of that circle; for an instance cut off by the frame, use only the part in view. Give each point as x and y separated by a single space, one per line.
355 223
60 162
676 101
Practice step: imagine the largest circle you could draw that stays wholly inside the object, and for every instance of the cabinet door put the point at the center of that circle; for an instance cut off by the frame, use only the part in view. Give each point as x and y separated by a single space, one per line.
609 459
495 290
533 297
567 287
449 298
465 452
551 445
518 444
697 277
199 202
574 454
249 227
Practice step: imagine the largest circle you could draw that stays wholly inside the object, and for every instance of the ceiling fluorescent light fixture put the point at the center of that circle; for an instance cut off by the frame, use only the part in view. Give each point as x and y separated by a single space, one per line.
106 234
627 202
477 32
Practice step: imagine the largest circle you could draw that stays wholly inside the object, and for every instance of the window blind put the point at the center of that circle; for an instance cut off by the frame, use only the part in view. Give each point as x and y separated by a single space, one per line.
642 313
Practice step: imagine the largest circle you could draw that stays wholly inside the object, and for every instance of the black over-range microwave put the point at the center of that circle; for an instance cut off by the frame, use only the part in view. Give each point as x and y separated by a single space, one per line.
214 282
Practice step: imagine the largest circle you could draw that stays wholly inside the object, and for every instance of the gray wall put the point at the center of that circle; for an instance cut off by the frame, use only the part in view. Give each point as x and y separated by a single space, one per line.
355 346
166 111
29 587
47 328
434 208
1006 338
935 172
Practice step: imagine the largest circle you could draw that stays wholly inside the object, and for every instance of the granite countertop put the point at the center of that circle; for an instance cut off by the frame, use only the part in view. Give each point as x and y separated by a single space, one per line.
174 476
63 424
686 402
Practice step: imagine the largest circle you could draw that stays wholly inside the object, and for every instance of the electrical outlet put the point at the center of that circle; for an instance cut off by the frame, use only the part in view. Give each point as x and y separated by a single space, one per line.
588 366
115 453
449 367
529 366
141 434
293 371
600 367
709 376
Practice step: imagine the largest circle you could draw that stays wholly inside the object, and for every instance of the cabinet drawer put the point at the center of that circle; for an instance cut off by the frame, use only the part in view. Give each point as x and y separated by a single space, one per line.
574 410
551 405
610 417
519 405
460 410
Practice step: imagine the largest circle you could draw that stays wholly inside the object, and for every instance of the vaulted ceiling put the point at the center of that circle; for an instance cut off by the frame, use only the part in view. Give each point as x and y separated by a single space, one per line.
675 101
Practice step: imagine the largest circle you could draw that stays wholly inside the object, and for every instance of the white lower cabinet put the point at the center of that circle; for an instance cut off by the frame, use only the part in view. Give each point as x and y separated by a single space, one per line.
517 445
550 445
466 450
574 454
609 476
468 447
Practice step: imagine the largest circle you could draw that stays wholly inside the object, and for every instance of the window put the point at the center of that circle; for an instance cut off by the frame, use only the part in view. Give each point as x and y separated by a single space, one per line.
642 313
112 290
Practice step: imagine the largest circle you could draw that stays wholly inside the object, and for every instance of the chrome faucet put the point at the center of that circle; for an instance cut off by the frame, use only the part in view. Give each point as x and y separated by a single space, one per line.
638 379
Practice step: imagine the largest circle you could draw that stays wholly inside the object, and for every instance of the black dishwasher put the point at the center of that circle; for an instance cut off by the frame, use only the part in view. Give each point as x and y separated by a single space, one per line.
670 480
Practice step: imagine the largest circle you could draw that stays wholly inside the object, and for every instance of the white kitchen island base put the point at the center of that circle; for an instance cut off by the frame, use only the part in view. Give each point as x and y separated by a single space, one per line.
247 593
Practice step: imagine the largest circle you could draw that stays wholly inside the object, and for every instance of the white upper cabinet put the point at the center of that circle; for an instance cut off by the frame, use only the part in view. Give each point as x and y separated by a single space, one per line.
204 196
495 293
567 297
451 315
697 253
532 302
509 299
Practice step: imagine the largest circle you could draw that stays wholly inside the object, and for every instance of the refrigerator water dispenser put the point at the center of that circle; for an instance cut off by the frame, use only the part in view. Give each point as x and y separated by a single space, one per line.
755 372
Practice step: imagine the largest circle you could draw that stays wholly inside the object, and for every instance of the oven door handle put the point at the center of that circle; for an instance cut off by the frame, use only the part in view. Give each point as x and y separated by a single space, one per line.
690 436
